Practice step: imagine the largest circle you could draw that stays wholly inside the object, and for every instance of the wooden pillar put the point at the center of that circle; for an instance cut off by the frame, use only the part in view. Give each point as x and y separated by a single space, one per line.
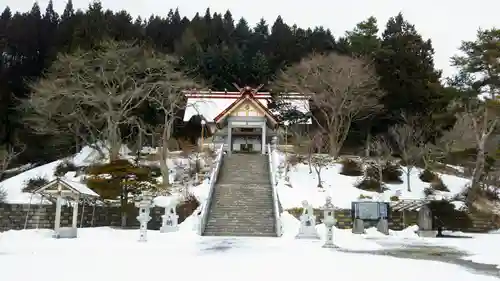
75 212
57 221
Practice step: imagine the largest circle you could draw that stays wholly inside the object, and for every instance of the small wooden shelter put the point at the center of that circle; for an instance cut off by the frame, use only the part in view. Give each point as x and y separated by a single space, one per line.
65 189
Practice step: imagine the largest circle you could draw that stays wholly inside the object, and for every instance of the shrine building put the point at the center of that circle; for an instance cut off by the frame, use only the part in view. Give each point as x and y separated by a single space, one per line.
241 120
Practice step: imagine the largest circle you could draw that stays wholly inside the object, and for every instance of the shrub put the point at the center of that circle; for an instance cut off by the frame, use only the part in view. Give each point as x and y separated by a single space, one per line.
428 191
155 170
427 176
391 172
372 171
394 198
361 196
65 167
34 183
297 212
447 217
351 168
370 184
187 207
437 184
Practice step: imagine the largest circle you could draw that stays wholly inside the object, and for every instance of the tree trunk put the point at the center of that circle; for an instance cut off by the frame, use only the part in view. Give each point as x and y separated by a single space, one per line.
165 173
318 172
477 173
368 143
332 145
380 174
408 184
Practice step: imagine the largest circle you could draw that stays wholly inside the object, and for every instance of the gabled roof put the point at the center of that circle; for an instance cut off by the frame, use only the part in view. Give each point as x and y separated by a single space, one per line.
71 186
246 95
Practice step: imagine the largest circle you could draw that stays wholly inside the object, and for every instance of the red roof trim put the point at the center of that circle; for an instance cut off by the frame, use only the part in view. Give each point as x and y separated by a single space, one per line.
246 94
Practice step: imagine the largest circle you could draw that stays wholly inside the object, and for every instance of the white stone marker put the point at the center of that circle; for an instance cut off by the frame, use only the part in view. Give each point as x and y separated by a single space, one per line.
307 223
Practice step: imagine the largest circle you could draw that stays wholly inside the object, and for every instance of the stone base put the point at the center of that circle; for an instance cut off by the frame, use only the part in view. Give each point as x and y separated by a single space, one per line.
383 226
330 246
358 227
427 233
66 233
168 228
307 233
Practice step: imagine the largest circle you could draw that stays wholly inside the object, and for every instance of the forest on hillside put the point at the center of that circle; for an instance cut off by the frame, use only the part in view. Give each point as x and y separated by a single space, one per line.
394 90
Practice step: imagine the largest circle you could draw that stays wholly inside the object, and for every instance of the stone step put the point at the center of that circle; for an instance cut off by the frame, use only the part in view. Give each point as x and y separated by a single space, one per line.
242 234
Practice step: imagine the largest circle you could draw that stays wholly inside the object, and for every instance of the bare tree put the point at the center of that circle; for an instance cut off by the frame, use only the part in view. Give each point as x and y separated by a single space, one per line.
169 102
320 162
343 89
383 151
408 137
483 117
7 154
98 92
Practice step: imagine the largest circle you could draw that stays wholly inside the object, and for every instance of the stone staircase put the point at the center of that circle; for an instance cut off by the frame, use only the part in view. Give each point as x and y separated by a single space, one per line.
242 202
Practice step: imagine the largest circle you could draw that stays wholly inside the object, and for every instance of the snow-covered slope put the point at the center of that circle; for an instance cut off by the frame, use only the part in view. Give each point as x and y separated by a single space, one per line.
302 185
14 185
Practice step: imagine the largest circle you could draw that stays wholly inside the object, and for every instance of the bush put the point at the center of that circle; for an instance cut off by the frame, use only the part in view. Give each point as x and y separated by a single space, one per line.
437 184
64 167
447 217
427 176
394 198
391 172
372 171
294 159
371 184
428 191
351 168
297 212
34 183
361 196
187 207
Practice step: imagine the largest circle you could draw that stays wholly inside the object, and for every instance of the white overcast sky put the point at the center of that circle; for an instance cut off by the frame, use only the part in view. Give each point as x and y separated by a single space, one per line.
446 22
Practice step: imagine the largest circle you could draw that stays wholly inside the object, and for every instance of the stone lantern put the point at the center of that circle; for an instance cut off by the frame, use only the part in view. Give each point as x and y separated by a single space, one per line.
329 221
144 204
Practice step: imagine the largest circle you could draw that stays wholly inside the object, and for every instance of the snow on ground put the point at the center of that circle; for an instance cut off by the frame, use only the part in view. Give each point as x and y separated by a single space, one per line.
114 254
302 185
87 156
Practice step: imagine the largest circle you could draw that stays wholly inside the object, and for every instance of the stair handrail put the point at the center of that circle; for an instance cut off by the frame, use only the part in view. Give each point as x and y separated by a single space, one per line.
203 217
272 175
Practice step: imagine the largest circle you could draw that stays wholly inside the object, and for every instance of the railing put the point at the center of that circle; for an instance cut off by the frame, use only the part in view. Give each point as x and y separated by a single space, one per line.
272 176
211 181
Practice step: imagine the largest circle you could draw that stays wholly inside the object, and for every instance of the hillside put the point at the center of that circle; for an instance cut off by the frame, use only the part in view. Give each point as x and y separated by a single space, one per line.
302 185
14 186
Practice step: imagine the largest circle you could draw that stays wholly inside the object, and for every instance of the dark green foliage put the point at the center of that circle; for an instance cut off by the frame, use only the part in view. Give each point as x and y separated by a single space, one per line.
428 191
351 168
34 183
115 179
391 172
427 176
188 206
370 184
65 167
214 47
446 217
372 171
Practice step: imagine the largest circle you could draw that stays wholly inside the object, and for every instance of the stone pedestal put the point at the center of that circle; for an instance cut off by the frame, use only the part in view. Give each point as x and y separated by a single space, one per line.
425 222
358 226
383 226
170 220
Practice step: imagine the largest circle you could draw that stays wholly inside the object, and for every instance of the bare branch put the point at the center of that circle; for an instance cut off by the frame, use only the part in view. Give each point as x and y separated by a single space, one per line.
342 89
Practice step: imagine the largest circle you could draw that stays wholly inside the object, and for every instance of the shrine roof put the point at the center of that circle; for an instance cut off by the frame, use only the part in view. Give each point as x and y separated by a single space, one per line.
212 104
67 185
